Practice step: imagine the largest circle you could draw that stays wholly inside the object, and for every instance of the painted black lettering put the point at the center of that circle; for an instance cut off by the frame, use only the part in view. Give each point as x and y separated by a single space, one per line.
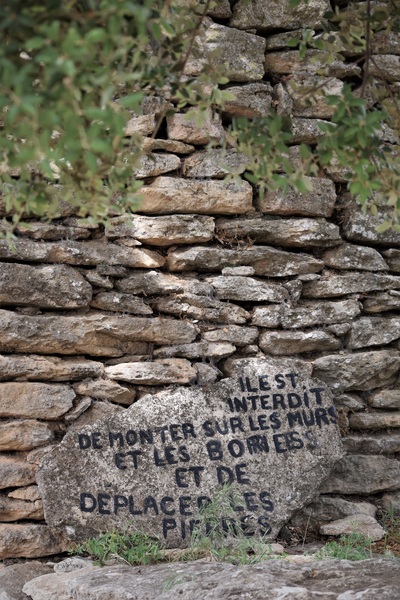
275 421
240 404
242 386
84 441
169 455
119 461
222 429
188 430
317 393
115 437
161 431
225 475
196 474
132 509
158 461
265 499
240 471
279 440
208 430
294 418
265 527
248 385
332 412
214 450
262 422
164 508
146 436
88 502
280 380
263 383
203 501
183 454
102 501
248 498
180 477
294 400
253 401
150 504
278 400
236 424
131 437
236 448
264 402
308 417
120 502
257 444
184 504
174 432
253 426
293 378
294 441
168 525
134 456
96 440
321 417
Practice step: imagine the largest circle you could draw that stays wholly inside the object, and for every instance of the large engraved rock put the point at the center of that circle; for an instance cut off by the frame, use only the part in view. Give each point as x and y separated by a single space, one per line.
48 286
271 433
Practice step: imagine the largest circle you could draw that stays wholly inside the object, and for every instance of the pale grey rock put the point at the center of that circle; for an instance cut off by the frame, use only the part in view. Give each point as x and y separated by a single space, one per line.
333 285
24 434
202 308
372 443
142 125
150 144
125 303
158 372
235 367
305 96
352 402
360 523
35 400
240 336
189 131
98 280
80 407
238 271
373 331
305 314
47 368
214 163
214 350
104 389
349 256
98 410
47 286
169 195
340 329
14 577
325 509
393 259
279 41
30 541
96 335
89 253
359 371
385 399
15 472
295 233
112 270
264 259
163 231
73 563
319 202
391 503
49 231
12 509
184 425
154 282
206 374
246 289
278 15
375 420
358 227
239 55
306 131
30 492
251 100
386 42
313 63
296 342
151 165
382 302
295 288
35 456
386 67
272 579
357 474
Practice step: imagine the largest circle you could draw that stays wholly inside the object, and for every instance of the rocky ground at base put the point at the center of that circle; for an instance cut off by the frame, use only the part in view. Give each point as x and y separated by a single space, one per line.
295 578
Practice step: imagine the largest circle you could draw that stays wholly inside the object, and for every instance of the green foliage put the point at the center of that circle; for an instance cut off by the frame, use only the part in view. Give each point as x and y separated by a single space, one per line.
354 546
135 548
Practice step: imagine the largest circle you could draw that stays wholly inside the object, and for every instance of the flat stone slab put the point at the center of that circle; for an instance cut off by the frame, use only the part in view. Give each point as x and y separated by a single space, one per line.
273 579
270 432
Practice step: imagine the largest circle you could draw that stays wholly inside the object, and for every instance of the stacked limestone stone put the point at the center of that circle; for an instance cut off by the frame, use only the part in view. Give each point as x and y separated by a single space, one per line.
91 320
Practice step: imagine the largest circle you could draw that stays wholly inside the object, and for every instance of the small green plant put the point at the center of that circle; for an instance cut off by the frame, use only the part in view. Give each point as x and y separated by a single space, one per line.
354 546
136 548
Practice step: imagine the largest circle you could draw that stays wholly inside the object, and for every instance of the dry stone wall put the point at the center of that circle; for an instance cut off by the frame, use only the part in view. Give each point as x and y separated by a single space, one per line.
93 319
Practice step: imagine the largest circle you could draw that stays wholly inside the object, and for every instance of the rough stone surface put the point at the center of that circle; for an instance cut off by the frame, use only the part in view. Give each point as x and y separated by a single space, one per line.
358 227
296 342
240 336
35 400
209 350
104 389
393 259
317 203
325 509
294 99
80 253
14 577
251 100
296 233
47 368
373 443
277 15
373 331
360 371
350 283
363 524
357 474
305 314
375 420
151 165
167 195
154 282
48 286
386 66
186 130
265 260
30 492
124 303
158 372
239 55
192 422
306 131
96 335
150 144
247 289
202 308
15 472
163 231
272 579
348 256
30 541
214 163
12 509
382 302
143 125
391 503
313 63
24 435
49 231
385 399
